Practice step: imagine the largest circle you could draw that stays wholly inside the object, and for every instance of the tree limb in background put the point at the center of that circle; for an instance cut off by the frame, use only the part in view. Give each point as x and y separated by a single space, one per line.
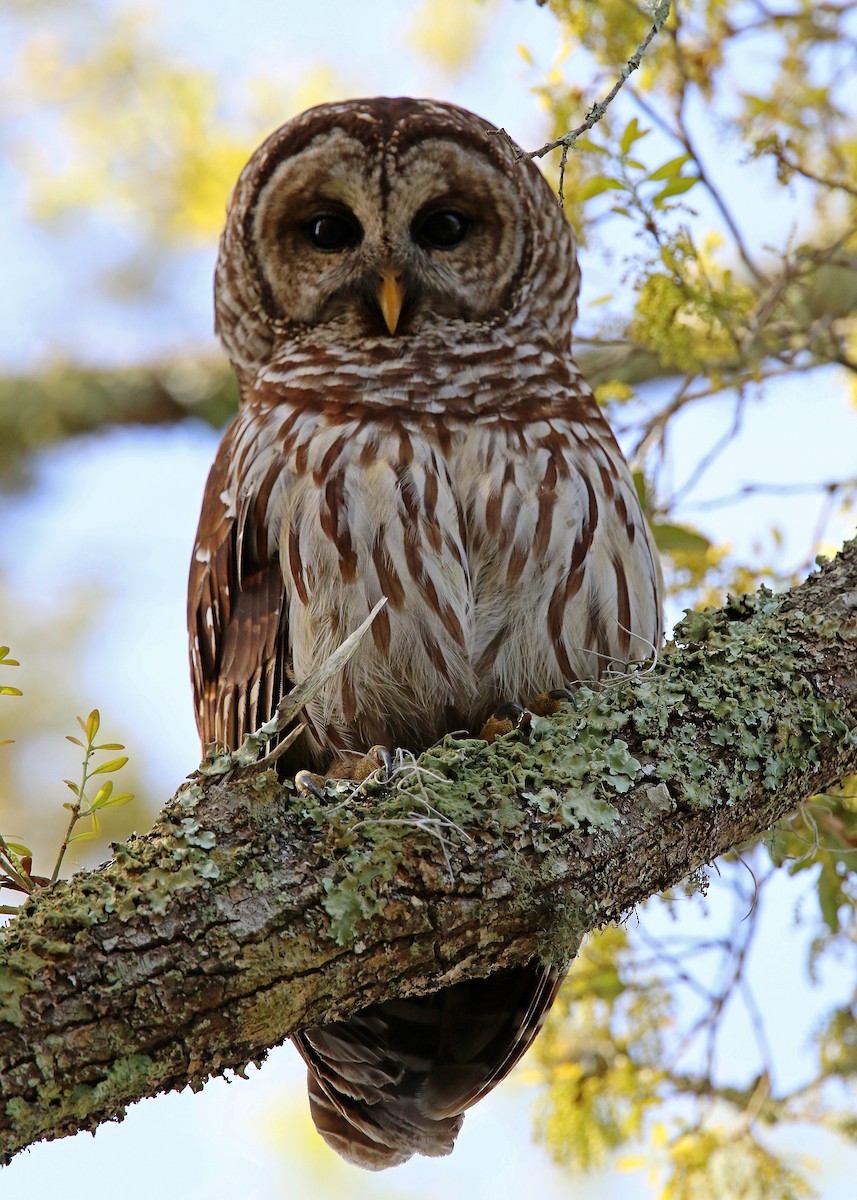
37 411
250 912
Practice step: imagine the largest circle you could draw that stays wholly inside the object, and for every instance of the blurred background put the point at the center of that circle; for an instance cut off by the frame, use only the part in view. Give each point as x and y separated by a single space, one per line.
708 1046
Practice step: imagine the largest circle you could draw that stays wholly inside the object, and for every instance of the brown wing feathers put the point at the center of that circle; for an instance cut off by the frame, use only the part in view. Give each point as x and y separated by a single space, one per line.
236 612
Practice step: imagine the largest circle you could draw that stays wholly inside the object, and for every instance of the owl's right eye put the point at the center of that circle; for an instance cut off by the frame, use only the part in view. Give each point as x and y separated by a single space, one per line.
333 231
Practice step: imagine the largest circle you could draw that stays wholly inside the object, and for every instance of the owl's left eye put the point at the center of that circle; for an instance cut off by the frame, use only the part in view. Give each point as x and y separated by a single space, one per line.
333 231
442 229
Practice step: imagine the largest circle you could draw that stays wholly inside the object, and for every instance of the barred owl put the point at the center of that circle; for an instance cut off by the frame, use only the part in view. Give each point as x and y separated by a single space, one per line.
395 290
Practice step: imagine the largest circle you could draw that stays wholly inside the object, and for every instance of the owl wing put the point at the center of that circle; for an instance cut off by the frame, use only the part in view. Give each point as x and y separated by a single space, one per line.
237 613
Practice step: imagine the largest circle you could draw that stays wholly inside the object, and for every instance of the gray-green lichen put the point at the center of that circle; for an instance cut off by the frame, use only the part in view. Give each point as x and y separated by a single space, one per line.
730 707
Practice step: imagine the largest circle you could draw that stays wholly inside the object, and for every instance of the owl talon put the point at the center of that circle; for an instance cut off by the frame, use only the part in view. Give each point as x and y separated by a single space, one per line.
379 758
507 717
545 704
310 784
503 720
385 759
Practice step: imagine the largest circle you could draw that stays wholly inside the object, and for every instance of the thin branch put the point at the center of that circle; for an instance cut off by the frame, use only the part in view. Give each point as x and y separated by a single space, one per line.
828 487
721 205
713 453
792 164
660 12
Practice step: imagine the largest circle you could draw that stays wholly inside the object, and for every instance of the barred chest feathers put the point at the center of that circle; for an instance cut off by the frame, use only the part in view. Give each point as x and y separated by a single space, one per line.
482 532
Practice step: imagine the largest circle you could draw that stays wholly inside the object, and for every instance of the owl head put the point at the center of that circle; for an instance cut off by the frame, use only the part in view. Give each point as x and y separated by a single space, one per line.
387 220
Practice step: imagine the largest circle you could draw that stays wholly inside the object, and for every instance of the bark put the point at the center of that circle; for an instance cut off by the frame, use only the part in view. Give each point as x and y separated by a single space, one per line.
248 912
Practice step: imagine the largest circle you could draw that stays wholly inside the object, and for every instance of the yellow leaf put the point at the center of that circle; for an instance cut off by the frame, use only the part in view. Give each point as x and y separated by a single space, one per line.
659 1135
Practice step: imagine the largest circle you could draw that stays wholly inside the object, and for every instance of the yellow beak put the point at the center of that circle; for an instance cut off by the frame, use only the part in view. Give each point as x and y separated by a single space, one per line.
391 297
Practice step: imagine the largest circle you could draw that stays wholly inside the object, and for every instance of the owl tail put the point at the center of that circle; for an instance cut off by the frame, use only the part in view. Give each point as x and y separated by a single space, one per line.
395 1079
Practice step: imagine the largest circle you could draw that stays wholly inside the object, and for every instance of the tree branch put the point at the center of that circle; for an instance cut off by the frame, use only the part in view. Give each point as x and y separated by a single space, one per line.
42 409
660 10
250 912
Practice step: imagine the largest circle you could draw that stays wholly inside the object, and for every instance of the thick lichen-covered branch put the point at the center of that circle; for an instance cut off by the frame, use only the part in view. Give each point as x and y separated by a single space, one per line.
249 911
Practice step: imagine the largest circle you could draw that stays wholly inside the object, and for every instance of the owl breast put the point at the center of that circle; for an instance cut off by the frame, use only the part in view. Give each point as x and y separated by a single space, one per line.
482 533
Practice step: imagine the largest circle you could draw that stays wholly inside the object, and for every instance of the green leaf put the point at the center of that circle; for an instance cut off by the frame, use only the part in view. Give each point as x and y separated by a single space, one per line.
598 184
102 795
18 848
669 538
86 836
675 187
115 764
673 167
7 662
92 723
68 783
10 691
76 741
631 134
829 897
641 489
109 746
117 800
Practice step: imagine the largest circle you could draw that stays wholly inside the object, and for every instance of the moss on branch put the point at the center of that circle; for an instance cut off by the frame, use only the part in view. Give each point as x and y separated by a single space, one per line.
249 911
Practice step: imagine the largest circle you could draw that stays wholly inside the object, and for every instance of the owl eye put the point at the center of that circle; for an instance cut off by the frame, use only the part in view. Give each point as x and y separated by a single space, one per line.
443 229
333 231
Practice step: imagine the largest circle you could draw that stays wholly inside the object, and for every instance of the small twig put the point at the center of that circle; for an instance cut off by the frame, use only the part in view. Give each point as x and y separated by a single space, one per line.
75 811
660 12
828 487
714 451
779 152
726 213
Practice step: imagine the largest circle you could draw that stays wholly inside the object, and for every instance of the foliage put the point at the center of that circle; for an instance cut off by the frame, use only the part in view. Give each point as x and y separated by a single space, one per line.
16 859
727 318
84 806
